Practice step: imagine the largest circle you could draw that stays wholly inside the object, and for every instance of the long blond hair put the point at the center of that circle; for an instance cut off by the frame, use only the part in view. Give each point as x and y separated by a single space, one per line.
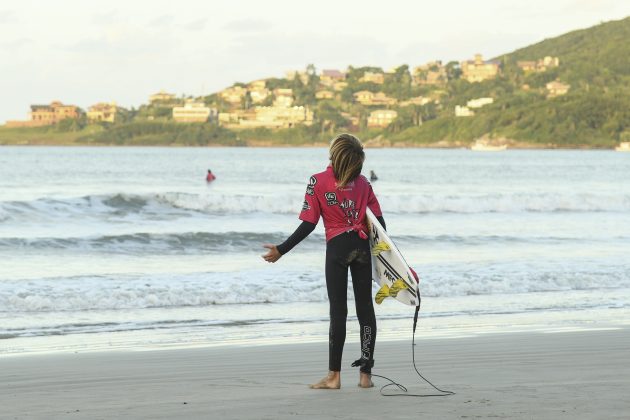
346 158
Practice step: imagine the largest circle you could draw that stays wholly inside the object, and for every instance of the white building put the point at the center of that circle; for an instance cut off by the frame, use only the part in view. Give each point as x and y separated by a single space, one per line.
381 118
479 102
463 111
193 112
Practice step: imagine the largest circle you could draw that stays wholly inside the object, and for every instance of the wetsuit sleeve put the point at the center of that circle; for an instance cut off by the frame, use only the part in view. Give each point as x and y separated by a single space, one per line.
310 208
300 233
373 204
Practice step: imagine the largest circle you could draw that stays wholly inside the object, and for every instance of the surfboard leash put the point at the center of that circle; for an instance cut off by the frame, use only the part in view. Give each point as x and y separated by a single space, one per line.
405 392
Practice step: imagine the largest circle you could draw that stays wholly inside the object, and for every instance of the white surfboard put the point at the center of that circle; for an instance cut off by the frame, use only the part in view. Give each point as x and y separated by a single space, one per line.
389 265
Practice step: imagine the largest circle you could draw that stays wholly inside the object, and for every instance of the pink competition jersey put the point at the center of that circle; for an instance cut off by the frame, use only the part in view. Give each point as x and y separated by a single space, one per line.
343 209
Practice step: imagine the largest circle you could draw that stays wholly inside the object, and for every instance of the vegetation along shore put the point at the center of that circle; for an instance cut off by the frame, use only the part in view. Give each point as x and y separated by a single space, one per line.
572 91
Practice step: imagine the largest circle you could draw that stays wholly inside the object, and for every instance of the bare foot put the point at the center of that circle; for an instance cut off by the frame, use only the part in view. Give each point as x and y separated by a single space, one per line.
331 381
365 380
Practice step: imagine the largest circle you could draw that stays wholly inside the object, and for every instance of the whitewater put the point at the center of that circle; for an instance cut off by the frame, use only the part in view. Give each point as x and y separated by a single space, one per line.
130 248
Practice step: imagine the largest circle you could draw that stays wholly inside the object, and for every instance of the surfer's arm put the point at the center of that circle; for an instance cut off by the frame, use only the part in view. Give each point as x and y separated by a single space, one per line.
302 231
374 205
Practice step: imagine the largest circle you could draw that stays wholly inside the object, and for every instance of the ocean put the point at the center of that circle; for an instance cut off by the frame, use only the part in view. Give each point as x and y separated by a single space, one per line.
129 248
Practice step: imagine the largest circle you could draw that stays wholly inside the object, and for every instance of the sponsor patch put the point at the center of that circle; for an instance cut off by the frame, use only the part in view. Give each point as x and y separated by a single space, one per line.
331 198
310 188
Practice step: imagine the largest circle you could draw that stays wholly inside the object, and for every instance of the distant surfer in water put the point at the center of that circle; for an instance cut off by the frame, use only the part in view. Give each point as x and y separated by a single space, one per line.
341 195
373 176
210 177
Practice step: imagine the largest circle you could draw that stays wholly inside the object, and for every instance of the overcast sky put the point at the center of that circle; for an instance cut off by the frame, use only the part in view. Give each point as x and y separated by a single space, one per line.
82 52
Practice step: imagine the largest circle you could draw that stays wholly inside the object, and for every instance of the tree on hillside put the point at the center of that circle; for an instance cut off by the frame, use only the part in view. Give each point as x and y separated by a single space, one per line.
353 74
453 70
329 117
304 94
246 100
398 84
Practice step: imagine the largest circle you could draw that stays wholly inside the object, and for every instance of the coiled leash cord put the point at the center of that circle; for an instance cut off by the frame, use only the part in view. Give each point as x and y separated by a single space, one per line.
405 392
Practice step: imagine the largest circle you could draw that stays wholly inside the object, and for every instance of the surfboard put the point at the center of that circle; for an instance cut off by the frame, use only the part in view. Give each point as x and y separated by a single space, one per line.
389 268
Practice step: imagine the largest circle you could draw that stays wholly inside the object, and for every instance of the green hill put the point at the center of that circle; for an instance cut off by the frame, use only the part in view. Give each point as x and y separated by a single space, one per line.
595 112
599 55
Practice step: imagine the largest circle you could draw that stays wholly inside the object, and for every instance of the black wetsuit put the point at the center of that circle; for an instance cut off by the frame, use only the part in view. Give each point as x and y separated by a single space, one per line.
346 250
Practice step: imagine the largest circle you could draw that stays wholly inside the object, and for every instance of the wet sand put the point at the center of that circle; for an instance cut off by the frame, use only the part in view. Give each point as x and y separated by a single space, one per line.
572 375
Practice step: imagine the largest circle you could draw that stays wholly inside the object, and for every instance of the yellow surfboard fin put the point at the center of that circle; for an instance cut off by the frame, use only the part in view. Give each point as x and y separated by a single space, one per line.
380 247
386 291
382 293
397 286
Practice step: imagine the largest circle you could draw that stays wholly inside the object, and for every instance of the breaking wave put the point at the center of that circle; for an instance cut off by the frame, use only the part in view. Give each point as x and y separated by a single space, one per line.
166 205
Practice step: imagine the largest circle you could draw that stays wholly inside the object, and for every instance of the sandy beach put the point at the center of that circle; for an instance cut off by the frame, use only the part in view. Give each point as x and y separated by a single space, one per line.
573 375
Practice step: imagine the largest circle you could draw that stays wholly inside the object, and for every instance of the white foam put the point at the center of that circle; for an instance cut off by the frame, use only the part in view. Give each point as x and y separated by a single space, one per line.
283 286
145 291
505 203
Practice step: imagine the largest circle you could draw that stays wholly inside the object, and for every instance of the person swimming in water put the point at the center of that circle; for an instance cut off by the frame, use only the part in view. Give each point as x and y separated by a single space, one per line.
210 177
373 176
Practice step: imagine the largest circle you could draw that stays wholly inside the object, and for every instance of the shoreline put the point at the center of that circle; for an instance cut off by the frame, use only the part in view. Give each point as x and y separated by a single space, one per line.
395 324
573 375
257 145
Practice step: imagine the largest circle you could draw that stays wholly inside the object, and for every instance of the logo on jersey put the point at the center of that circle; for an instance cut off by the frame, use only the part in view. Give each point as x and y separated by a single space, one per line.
310 188
348 206
331 198
305 206
349 186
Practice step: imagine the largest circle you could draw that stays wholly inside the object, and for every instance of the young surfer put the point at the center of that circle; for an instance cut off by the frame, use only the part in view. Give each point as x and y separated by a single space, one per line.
340 195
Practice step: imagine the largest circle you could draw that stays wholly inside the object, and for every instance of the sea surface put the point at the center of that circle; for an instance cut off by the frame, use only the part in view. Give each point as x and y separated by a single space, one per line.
110 248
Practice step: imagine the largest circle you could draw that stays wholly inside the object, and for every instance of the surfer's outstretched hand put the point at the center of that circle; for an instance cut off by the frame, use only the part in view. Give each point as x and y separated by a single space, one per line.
273 254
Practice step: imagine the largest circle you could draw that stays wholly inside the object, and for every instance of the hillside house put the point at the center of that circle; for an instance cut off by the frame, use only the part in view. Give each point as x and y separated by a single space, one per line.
330 77
283 97
194 112
463 111
162 97
53 113
365 97
277 117
431 73
301 74
258 95
41 115
324 94
339 86
418 100
381 118
539 65
233 95
478 70
102 112
257 84
557 88
479 102
373 77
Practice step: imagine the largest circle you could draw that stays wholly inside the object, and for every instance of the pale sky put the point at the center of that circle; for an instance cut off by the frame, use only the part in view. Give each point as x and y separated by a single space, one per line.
83 52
